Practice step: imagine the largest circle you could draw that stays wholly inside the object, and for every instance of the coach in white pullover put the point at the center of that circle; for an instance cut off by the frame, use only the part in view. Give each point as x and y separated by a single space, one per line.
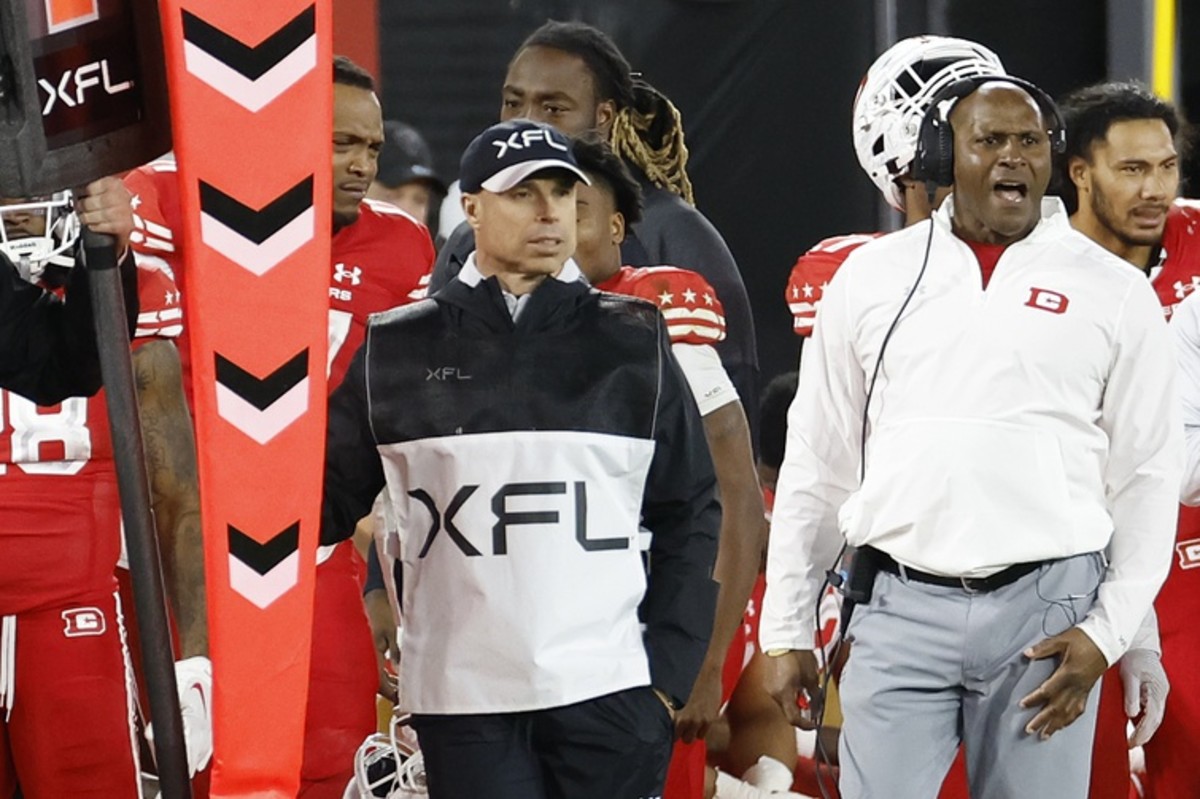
1023 434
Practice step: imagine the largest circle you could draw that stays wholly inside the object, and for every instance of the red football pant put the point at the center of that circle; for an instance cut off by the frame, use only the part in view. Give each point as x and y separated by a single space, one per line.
343 679
71 730
1171 769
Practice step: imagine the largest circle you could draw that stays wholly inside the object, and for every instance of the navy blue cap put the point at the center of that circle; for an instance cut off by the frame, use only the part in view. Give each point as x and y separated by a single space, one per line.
506 154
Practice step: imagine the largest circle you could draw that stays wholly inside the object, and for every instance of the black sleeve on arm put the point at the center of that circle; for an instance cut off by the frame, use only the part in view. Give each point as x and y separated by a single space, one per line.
681 510
452 256
374 571
47 346
353 471
129 287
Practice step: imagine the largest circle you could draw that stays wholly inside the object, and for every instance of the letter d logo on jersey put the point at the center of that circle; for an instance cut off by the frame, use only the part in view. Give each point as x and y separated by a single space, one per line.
80 622
1047 300
62 15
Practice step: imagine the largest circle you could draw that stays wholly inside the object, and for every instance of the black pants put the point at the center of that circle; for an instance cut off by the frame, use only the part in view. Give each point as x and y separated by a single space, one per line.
613 747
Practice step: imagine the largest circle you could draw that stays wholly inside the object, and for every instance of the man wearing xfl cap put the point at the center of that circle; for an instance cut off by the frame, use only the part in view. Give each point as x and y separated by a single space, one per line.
524 425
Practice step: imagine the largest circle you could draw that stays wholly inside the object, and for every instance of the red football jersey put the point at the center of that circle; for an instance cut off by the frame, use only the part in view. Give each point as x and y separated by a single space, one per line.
60 519
1170 753
382 260
690 305
812 273
1178 273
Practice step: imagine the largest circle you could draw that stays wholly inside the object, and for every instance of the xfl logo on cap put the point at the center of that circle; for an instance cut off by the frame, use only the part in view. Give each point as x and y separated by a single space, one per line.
1047 300
80 622
519 140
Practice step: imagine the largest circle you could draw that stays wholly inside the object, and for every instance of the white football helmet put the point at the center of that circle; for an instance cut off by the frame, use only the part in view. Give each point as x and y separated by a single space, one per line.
894 95
38 232
389 766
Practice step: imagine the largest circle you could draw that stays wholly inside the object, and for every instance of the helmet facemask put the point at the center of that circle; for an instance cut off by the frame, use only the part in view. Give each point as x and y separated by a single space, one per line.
39 232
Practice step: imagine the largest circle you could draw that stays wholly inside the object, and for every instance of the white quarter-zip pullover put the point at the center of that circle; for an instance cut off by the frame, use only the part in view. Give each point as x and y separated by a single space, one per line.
1033 420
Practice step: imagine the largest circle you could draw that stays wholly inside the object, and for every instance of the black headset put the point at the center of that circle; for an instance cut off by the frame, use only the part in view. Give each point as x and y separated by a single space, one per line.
934 161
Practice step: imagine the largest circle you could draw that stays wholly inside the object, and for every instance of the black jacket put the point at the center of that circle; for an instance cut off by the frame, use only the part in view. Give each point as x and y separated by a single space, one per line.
47 345
576 361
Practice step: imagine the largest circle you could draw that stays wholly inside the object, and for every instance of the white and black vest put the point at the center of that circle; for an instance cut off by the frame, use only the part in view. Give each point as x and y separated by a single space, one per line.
521 459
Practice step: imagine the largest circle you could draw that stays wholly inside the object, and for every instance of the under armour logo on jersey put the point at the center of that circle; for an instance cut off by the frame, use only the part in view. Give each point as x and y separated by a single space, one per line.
1183 289
80 622
519 140
1189 553
342 274
1046 300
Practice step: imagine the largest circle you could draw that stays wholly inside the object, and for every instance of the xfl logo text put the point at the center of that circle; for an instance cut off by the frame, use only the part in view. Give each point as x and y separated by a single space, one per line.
73 86
519 140
507 519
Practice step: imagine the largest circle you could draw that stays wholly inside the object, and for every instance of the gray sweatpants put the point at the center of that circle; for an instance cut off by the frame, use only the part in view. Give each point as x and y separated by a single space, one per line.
931 667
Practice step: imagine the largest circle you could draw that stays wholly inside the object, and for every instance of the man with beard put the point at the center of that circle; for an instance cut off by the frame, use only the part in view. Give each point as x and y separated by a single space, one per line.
1121 174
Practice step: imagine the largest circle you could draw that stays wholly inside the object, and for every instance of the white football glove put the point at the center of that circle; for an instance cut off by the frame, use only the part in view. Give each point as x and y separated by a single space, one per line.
193 681
1146 689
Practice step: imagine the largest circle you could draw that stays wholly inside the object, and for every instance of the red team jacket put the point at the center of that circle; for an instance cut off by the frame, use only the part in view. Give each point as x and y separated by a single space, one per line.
61 515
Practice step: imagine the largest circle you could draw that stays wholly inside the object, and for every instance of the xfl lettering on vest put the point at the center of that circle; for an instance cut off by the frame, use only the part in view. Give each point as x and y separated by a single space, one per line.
444 374
519 140
507 519
71 88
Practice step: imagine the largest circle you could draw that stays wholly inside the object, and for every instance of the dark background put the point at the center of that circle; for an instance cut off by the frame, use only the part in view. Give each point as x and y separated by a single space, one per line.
765 88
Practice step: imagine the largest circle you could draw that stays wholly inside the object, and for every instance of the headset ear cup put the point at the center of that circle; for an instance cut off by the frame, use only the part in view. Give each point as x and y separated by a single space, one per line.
924 166
945 145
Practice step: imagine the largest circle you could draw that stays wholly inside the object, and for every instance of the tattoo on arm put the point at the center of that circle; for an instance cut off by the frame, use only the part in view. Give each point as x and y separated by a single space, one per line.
170 447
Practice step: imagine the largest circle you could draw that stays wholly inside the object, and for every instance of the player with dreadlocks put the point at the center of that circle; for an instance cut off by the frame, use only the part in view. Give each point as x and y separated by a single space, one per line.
573 77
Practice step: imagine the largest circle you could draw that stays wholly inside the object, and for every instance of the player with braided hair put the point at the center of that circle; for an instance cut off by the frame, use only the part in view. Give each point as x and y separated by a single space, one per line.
649 133
573 77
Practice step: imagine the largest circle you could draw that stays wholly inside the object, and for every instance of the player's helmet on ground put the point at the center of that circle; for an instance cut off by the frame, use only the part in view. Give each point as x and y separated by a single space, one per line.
389 766
894 95
38 232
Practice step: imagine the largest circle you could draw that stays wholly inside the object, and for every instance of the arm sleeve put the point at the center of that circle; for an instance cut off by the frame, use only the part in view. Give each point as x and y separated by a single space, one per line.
374 580
681 510
820 469
49 345
706 376
1140 413
353 470
1147 636
1185 325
